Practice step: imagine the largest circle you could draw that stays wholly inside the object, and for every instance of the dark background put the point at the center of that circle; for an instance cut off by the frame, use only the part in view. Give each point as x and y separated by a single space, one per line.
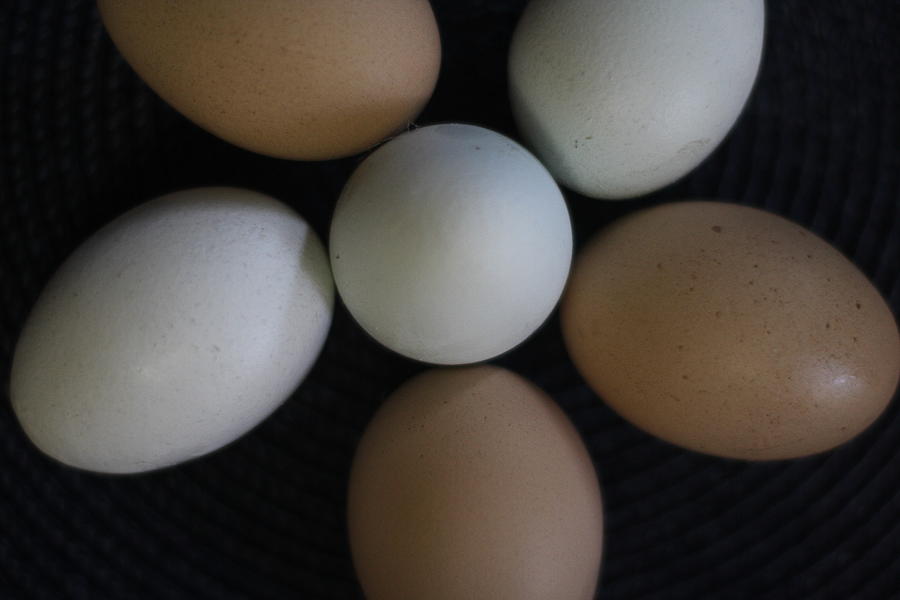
82 139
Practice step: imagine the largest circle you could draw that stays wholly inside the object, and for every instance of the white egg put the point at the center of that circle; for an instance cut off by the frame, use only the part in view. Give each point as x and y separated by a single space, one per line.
172 331
451 244
622 97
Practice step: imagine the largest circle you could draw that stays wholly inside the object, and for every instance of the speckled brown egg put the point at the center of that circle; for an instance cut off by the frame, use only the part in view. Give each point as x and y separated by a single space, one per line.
730 331
471 483
300 79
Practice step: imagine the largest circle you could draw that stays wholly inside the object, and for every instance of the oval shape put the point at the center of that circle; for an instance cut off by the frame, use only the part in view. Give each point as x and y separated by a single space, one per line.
730 331
472 483
172 331
310 80
451 244
620 98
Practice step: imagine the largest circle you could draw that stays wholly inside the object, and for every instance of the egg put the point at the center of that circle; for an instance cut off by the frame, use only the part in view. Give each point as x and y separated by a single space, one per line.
472 483
731 331
172 331
451 244
620 98
310 79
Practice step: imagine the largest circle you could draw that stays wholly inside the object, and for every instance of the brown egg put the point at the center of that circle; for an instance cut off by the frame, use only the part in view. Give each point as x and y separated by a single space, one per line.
301 79
730 331
471 483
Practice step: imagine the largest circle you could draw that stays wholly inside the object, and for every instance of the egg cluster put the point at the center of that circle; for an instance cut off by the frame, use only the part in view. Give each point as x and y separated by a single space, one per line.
720 328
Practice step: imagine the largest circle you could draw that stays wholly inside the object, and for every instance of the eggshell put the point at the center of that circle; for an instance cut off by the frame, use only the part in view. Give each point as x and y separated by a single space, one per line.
172 331
451 244
620 98
730 331
471 483
300 79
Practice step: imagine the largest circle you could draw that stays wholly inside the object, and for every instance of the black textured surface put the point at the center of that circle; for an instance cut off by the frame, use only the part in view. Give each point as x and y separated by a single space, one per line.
82 139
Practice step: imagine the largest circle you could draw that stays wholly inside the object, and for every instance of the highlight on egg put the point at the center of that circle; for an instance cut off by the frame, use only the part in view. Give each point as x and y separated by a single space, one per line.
451 244
172 331
307 80
730 331
472 483
620 98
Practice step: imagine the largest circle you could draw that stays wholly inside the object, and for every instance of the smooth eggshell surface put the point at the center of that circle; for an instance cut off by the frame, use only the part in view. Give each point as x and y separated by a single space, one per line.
172 331
451 244
622 97
300 79
472 483
730 331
